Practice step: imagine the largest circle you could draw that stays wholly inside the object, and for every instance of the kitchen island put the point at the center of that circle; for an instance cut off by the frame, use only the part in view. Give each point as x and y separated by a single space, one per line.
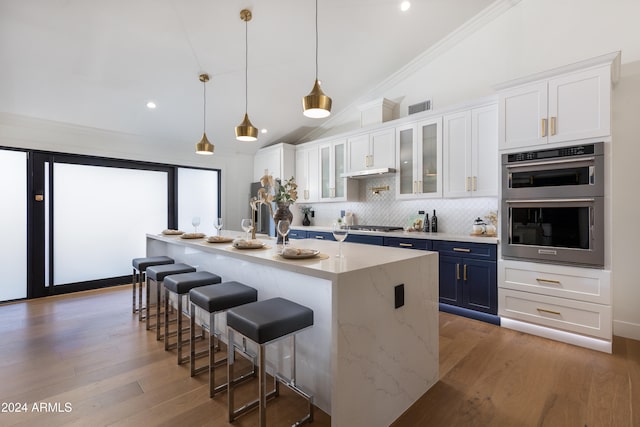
364 360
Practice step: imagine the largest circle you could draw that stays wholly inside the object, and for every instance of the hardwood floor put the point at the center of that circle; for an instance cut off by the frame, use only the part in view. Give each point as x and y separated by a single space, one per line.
87 349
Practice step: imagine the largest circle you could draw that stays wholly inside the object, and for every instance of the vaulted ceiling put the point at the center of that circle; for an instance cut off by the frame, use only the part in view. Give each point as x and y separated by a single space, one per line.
98 63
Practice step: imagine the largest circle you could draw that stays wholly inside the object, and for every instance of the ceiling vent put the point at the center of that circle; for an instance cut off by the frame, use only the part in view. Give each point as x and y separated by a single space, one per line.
420 107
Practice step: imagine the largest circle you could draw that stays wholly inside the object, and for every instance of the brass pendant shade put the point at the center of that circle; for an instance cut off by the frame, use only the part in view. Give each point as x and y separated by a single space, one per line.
245 131
204 146
316 105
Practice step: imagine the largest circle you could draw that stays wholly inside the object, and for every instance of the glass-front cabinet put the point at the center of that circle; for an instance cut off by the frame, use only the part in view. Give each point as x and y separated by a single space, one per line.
419 164
333 187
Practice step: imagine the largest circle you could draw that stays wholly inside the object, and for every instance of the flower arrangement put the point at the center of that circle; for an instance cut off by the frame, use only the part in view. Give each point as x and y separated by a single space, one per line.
273 190
306 210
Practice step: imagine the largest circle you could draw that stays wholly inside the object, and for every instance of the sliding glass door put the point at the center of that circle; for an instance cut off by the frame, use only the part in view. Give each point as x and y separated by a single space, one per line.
13 217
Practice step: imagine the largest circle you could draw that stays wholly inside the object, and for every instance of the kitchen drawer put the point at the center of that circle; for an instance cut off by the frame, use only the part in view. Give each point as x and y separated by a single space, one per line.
583 284
402 242
574 316
369 240
484 251
320 235
297 234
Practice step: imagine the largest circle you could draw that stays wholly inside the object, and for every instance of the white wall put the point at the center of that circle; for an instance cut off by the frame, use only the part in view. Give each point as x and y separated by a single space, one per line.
533 36
236 169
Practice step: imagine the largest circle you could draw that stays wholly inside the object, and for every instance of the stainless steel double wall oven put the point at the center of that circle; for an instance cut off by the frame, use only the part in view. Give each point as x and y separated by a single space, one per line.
553 205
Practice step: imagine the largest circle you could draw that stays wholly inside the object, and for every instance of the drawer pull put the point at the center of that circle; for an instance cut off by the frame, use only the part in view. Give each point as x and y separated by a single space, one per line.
464 273
543 310
555 282
406 245
462 250
319 237
457 271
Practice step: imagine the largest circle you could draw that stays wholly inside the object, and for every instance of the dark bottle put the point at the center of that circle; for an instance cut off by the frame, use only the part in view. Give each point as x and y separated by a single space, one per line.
426 224
434 222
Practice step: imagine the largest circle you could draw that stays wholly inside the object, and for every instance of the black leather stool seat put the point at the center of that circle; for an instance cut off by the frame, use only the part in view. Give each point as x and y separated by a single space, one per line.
220 297
159 272
182 283
264 321
141 264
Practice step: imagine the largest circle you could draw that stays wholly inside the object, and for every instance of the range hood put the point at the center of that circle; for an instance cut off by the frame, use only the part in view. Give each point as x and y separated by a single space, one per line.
366 173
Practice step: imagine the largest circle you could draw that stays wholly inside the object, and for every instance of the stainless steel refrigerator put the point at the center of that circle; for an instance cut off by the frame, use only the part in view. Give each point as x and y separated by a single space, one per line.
262 217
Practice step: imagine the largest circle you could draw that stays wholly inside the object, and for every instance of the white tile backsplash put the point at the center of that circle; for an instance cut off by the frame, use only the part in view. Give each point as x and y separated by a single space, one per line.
454 215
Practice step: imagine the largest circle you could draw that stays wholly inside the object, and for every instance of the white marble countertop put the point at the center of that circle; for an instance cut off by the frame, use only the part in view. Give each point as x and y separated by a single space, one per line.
326 265
409 234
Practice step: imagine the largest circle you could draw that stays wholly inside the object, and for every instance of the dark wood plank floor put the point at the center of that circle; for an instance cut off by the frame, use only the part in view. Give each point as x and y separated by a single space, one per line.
88 350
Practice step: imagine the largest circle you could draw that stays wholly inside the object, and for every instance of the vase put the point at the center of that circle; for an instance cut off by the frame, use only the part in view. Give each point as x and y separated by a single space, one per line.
306 221
282 212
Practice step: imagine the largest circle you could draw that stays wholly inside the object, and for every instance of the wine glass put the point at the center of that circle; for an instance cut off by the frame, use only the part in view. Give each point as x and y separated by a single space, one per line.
195 221
340 233
283 230
247 226
218 225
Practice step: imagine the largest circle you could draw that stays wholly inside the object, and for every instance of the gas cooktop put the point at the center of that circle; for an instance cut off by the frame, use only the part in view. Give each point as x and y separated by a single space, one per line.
375 228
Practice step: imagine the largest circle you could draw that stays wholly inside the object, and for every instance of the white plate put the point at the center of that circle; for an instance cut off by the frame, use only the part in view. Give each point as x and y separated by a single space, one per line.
302 254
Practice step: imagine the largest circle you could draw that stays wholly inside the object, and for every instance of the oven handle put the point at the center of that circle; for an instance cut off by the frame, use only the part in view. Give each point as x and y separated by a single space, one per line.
550 162
551 200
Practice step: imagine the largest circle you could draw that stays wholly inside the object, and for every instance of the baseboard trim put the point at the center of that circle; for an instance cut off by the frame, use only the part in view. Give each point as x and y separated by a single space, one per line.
626 329
554 334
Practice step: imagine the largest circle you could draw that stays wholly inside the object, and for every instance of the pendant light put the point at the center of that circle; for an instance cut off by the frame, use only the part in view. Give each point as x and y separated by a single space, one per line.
316 105
204 146
245 131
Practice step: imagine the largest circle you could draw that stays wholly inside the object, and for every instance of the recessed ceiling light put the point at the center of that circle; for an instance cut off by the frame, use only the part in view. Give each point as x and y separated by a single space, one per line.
264 130
151 105
405 5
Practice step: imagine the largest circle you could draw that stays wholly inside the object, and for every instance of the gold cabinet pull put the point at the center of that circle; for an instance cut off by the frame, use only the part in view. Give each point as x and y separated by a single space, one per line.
457 271
544 310
474 186
544 127
466 250
552 125
406 245
466 184
555 282
306 194
464 273
39 197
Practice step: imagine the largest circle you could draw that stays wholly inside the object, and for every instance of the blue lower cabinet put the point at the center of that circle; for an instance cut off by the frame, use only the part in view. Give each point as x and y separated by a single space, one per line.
468 276
404 242
320 235
297 234
369 240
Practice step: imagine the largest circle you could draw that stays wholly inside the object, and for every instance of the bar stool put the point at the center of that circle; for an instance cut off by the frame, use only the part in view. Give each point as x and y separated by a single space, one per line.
156 274
180 285
214 299
265 322
139 267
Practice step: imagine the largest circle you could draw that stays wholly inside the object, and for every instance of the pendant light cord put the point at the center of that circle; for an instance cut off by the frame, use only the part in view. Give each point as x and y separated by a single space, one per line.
316 39
246 66
204 102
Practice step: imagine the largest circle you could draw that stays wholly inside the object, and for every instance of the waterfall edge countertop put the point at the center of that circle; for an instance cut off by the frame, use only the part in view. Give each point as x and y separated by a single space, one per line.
408 234
372 351
355 256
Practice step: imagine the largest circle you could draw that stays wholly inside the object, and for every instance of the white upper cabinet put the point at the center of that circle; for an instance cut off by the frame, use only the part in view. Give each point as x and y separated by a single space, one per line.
334 188
569 104
371 150
470 152
278 160
419 159
307 174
